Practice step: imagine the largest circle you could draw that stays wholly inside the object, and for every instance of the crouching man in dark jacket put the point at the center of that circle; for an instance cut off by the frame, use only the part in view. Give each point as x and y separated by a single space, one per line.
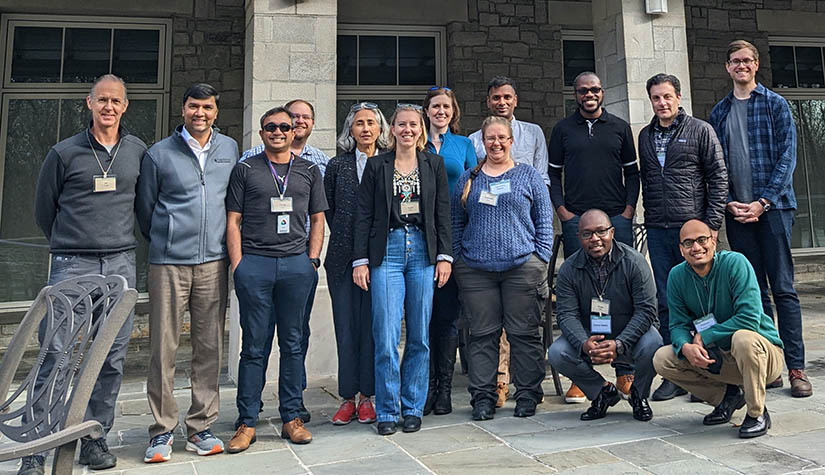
607 313
683 178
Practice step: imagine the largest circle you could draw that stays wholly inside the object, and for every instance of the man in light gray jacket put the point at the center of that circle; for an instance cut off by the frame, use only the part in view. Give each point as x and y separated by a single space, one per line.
180 209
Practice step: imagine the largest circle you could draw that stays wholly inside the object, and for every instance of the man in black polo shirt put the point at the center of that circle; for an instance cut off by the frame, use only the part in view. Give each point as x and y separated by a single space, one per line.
595 150
270 195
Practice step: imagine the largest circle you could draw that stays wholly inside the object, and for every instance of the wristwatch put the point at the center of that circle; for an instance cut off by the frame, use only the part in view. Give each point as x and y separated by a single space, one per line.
766 205
619 348
316 262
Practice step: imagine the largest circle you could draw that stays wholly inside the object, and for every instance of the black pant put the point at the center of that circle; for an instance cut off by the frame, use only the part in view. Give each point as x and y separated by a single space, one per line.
352 316
511 300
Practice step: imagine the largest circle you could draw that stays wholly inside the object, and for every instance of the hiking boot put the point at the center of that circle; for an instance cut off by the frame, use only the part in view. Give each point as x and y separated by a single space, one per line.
95 454
800 386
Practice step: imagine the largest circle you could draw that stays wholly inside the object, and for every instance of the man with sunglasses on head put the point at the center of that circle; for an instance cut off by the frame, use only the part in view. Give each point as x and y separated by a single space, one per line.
274 260
596 152
303 117
725 347
683 177
758 137
606 309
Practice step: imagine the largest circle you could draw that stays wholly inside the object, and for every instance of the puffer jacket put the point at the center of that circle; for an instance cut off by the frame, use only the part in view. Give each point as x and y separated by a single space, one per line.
693 184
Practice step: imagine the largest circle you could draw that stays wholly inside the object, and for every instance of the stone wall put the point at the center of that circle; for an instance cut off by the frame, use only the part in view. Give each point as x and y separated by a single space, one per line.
512 38
208 46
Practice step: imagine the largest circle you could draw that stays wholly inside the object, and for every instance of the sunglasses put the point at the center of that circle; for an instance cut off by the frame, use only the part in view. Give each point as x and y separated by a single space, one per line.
593 90
363 105
435 88
409 106
272 126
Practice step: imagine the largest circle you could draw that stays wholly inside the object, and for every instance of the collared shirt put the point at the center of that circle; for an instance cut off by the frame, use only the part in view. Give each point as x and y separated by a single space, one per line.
309 152
360 163
529 146
458 153
601 267
662 136
772 144
200 152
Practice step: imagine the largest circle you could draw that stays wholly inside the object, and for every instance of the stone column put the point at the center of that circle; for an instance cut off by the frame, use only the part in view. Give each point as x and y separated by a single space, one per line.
290 54
631 46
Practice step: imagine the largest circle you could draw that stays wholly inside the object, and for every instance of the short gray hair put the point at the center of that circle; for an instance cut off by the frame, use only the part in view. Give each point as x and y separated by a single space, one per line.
347 143
109 77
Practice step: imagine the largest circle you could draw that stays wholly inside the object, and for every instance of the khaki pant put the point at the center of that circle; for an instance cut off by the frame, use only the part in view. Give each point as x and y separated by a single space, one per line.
202 289
752 362
504 359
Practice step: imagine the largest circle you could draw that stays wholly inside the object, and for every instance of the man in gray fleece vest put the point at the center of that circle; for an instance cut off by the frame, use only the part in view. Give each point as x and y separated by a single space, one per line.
180 209
84 203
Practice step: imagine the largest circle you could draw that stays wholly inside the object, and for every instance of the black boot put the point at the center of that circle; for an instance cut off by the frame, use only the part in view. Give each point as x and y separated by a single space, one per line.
432 389
445 367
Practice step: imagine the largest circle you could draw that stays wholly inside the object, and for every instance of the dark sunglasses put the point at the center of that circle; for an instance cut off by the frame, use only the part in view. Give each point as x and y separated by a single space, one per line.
363 105
283 126
593 90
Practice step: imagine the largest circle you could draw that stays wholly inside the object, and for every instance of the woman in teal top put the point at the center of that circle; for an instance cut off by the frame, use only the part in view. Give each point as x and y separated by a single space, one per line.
442 116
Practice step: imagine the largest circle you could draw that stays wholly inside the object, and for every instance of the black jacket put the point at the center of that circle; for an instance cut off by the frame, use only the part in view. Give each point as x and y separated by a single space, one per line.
694 181
341 187
372 218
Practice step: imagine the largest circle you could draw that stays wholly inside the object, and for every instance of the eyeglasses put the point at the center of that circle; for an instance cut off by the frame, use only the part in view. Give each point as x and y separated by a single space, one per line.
306 117
363 105
593 90
283 126
742 62
688 243
598 232
435 88
500 138
409 106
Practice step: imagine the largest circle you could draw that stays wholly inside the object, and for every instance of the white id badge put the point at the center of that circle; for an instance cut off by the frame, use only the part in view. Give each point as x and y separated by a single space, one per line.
283 223
600 324
600 306
409 207
705 322
488 198
500 187
280 205
105 183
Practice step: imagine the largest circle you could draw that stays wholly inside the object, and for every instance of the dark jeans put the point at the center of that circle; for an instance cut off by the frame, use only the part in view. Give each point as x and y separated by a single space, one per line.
767 245
272 293
570 362
352 316
305 339
511 300
663 247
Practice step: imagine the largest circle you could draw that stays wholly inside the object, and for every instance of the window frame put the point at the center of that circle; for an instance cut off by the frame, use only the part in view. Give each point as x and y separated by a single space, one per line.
573 35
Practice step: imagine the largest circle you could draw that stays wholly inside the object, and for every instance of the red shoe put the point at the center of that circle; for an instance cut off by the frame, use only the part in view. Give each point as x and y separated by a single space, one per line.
366 413
345 414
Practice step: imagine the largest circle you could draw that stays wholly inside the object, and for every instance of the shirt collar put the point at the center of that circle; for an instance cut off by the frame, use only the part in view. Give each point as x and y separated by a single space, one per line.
676 121
192 141
581 119
359 155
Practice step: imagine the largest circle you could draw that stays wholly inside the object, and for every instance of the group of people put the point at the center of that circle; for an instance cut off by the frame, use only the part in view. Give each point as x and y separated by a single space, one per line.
426 224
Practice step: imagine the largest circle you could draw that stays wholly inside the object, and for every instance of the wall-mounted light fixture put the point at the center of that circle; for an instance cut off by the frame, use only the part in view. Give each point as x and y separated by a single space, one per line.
656 7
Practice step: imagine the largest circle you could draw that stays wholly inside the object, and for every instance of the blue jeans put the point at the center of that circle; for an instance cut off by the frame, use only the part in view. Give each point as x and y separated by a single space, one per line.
305 339
570 233
402 286
272 293
767 245
663 247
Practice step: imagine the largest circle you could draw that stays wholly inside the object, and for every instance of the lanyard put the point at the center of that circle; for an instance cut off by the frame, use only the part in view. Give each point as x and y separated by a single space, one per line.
117 149
276 178
699 296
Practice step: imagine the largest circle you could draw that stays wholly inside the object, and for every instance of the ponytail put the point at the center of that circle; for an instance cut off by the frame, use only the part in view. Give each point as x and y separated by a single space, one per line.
469 183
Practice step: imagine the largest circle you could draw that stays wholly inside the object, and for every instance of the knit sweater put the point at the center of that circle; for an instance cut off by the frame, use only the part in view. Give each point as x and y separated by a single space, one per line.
729 291
502 237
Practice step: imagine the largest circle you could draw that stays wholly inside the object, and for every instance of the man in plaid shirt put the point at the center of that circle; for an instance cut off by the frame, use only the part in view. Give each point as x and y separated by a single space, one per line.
758 136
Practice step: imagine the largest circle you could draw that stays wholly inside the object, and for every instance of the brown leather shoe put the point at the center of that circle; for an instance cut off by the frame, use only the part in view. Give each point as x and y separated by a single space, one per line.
574 395
295 431
243 438
623 384
800 386
503 392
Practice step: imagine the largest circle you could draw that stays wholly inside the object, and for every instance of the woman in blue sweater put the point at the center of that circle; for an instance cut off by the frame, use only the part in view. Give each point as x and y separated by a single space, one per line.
442 116
502 240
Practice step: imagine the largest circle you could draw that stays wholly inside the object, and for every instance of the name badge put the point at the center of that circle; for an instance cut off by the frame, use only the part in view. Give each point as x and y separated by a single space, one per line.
705 322
500 187
280 205
599 306
409 207
283 223
488 198
104 184
600 324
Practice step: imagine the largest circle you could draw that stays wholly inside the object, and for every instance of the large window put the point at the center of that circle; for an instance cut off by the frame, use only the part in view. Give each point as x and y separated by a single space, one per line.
49 64
388 65
578 56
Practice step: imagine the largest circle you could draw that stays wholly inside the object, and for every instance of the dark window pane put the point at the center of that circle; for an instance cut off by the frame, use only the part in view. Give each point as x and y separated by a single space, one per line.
377 60
578 57
347 55
811 124
135 55
570 106
86 54
140 119
36 55
24 252
809 66
342 107
74 117
416 60
782 66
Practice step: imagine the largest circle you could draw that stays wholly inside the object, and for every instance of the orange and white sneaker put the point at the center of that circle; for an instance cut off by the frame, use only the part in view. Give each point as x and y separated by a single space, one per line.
204 443
574 395
160 448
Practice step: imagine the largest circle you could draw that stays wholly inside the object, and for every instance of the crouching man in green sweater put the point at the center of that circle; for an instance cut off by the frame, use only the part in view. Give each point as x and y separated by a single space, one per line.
725 349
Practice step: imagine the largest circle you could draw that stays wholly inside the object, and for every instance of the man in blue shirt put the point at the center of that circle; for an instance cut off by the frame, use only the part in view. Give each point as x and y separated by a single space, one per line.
758 137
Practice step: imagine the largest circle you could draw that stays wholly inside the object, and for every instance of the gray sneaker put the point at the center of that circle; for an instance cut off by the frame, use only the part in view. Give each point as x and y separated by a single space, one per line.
32 465
204 443
160 448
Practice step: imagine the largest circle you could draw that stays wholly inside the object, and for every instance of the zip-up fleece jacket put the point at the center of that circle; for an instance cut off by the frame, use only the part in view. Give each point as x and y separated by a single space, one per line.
179 207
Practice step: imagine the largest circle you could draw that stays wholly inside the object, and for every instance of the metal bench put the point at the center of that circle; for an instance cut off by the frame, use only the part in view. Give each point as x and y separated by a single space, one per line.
80 318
